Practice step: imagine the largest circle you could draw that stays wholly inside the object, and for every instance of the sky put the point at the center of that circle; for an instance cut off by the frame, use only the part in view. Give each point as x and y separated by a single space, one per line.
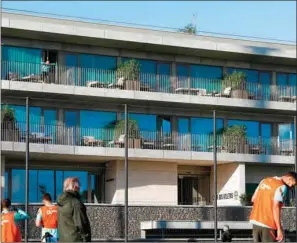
264 19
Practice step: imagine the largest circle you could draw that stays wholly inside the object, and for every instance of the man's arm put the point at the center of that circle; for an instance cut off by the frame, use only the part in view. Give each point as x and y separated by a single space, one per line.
20 215
38 221
279 197
81 221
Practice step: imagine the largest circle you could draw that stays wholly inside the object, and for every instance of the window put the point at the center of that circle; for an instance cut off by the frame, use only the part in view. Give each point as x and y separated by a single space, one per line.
97 68
71 128
20 61
96 124
50 181
202 77
50 118
184 136
164 82
71 61
252 127
286 84
202 132
266 134
206 77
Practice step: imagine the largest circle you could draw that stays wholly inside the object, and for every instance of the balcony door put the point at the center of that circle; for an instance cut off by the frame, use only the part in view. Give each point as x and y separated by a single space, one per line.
71 132
286 135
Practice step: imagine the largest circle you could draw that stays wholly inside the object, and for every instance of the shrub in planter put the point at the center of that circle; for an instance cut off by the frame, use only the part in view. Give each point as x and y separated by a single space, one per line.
130 72
234 139
8 124
237 82
245 199
133 132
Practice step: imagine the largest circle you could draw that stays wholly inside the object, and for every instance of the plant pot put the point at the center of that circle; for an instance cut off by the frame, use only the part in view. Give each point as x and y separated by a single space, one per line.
132 85
239 94
134 143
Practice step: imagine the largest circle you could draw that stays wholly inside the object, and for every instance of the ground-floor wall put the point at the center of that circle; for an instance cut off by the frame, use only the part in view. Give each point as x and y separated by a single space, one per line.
107 221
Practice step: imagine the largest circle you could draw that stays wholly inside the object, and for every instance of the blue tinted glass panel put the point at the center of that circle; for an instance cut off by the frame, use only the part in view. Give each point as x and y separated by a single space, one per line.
146 122
252 127
35 120
202 132
20 61
50 117
265 81
266 134
71 61
183 133
252 76
292 83
281 79
83 178
18 186
45 183
148 72
71 123
182 74
285 131
97 68
164 84
59 183
95 123
206 77
33 189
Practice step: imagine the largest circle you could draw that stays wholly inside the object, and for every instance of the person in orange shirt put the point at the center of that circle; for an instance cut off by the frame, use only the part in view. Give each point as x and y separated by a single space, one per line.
10 218
47 218
267 202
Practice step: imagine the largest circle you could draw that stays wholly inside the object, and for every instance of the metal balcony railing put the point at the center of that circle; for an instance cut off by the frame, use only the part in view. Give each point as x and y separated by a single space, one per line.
154 140
111 79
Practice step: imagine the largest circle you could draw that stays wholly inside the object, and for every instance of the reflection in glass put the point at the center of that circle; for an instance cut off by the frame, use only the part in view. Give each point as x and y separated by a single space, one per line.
265 80
50 118
18 186
71 124
266 134
94 123
184 136
164 77
202 132
45 183
71 61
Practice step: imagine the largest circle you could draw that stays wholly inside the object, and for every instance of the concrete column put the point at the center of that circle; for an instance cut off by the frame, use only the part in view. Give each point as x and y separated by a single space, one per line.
2 169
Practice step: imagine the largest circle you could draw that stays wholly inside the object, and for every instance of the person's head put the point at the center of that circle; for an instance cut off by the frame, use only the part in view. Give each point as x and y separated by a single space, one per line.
46 199
290 179
5 204
225 228
71 184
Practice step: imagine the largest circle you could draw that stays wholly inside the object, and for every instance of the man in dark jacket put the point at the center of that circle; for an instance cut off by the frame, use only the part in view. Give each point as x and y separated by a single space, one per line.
73 222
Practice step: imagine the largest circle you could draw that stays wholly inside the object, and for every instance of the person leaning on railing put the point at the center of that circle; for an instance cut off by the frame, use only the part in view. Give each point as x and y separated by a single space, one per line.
10 217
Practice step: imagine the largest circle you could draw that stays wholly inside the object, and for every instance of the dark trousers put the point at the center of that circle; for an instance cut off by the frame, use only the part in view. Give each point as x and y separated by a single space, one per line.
262 234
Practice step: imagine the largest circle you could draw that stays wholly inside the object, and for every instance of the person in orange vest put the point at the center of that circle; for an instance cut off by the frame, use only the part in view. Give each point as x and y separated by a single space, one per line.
10 218
47 218
267 202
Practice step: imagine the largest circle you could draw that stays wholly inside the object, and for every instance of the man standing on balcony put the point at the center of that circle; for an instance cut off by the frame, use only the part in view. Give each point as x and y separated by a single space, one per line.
47 218
268 200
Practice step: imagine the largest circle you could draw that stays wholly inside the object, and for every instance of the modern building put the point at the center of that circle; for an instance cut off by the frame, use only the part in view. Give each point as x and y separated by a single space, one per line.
75 75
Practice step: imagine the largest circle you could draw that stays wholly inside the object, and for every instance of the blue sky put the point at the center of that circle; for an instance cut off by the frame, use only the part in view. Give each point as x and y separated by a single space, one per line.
268 19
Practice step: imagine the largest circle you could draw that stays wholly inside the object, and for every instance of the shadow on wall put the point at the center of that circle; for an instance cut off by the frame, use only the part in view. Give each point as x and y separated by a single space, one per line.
258 50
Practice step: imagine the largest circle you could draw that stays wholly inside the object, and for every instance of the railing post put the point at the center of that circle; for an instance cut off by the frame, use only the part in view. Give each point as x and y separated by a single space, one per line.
126 173
27 166
215 189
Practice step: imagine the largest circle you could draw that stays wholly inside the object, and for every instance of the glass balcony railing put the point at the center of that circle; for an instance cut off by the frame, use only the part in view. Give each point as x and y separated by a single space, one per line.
111 79
153 140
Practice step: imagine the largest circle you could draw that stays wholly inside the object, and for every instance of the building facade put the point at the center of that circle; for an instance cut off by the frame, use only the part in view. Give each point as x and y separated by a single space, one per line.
72 73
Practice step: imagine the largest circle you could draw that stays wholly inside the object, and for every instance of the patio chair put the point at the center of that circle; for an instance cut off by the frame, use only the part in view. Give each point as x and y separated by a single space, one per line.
120 141
119 85
225 93
91 141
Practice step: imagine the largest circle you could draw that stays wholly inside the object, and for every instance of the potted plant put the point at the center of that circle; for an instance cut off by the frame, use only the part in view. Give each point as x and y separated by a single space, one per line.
234 139
8 125
130 72
245 199
134 140
237 82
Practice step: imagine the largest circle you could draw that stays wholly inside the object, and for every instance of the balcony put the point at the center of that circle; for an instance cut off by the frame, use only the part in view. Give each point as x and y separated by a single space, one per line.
97 82
144 145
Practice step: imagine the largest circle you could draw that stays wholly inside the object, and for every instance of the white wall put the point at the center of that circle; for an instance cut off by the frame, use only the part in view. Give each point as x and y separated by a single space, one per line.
150 183
231 179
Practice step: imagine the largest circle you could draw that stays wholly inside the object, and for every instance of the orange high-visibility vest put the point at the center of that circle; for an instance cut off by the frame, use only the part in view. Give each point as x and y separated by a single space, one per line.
49 217
262 211
10 231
